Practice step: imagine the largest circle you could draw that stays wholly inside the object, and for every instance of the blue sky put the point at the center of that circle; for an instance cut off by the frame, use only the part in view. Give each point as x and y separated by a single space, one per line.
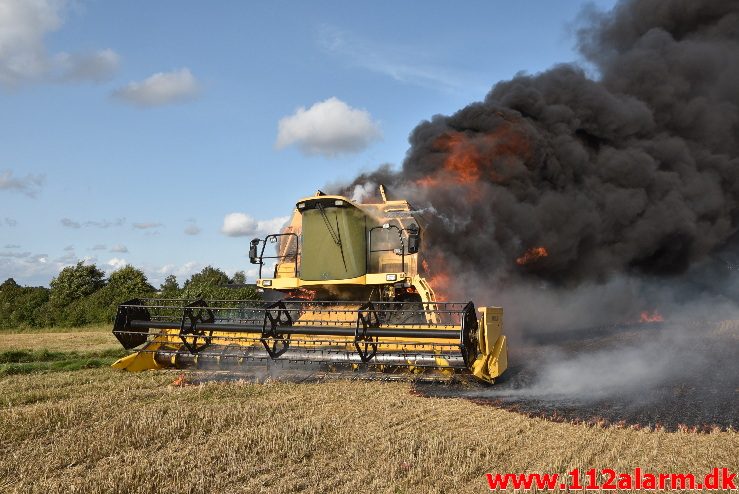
165 134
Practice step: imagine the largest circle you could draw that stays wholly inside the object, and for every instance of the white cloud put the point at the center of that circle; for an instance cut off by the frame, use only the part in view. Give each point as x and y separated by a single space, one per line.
116 263
38 269
70 223
23 54
23 25
97 67
16 255
146 226
120 248
241 225
66 259
328 128
28 185
160 89
192 229
99 247
28 269
187 269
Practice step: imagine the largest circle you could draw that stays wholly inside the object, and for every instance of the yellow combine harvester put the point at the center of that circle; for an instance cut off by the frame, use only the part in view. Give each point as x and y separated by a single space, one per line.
350 296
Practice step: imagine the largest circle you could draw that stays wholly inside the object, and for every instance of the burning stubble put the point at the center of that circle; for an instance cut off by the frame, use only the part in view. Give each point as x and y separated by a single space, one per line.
631 364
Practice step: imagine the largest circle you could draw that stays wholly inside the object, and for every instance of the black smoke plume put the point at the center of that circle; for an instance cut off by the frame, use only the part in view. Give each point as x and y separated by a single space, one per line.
634 171
576 202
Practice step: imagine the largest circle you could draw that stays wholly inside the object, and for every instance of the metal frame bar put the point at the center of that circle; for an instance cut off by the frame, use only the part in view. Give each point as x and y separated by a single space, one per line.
275 235
369 245
307 330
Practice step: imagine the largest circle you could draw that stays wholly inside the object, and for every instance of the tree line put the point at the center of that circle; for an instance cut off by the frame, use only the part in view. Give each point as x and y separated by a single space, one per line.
81 294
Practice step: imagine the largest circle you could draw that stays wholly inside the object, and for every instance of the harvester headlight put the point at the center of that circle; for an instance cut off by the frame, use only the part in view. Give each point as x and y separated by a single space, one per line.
391 277
266 282
339 202
301 205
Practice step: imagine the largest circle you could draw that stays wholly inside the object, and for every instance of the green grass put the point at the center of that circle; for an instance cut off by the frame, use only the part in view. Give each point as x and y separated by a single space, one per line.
14 362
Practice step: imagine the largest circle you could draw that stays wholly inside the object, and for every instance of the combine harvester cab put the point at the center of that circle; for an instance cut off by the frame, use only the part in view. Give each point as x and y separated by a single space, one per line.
348 294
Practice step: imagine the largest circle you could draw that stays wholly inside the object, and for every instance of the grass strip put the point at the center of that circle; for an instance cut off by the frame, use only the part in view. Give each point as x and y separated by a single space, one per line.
88 328
14 362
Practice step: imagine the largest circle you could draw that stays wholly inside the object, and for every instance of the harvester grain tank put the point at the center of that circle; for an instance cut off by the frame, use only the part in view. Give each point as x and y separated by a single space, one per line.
348 292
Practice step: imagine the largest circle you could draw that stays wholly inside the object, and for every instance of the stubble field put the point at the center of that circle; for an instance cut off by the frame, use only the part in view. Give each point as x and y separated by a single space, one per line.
100 430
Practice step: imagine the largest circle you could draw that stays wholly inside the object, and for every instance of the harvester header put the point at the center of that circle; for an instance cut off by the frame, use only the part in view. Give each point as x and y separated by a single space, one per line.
344 288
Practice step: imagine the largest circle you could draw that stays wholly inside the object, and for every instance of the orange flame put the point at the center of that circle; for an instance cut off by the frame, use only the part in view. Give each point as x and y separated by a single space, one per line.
532 255
473 158
181 381
303 294
438 278
654 316
463 160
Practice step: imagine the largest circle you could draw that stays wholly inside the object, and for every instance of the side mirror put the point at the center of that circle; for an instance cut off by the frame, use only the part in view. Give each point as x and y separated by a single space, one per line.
253 256
414 238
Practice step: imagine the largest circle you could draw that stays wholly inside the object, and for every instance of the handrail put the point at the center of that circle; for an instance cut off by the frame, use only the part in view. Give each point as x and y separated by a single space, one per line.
400 237
274 236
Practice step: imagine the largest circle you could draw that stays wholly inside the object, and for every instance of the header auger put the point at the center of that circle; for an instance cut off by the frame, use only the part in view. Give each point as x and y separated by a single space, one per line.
350 296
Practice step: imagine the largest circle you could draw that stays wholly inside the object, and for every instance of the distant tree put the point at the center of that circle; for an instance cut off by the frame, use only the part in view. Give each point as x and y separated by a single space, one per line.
74 283
22 305
208 277
170 288
30 307
9 284
239 278
123 284
212 283
129 282
80 295
223 292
